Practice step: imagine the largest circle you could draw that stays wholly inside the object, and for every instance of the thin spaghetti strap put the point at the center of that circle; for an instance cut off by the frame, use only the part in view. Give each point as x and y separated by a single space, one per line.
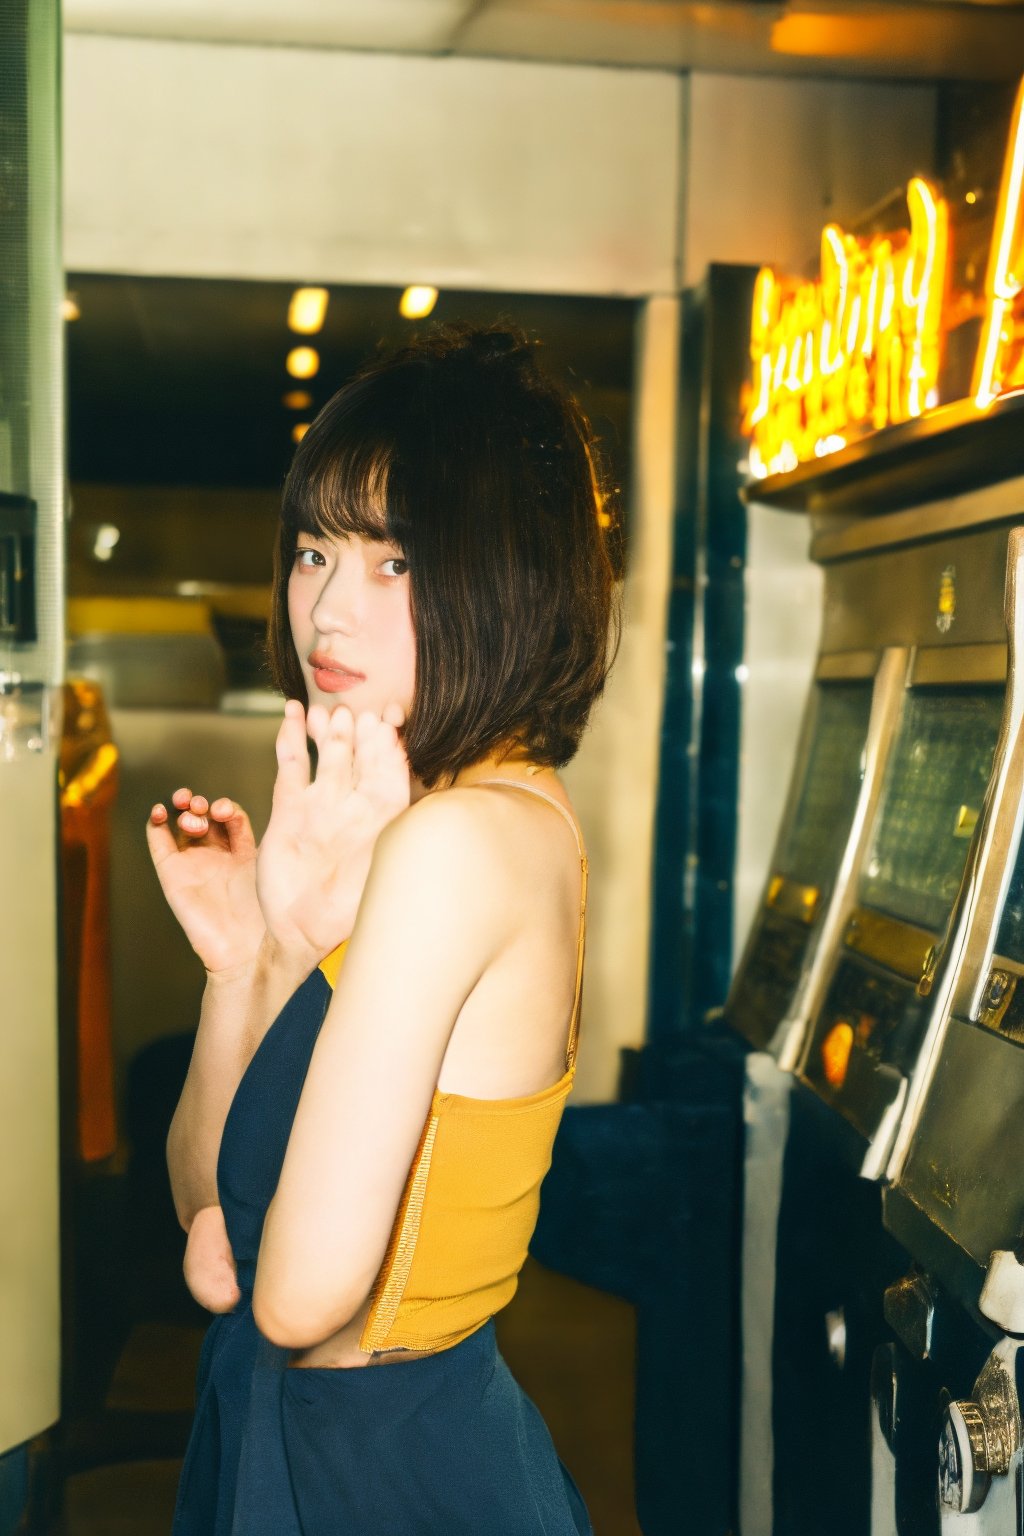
531 789
574 1021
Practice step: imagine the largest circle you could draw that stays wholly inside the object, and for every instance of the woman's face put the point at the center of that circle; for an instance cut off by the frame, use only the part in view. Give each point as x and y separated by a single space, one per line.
351 620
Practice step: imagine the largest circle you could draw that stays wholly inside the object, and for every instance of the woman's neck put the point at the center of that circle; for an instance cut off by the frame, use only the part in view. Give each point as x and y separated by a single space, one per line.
497 765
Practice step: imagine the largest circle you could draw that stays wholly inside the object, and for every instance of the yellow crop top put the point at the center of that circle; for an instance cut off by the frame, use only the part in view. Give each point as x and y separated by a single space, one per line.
471 1200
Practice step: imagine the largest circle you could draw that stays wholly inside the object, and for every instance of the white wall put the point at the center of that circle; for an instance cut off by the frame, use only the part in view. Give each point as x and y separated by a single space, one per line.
194 159
768 163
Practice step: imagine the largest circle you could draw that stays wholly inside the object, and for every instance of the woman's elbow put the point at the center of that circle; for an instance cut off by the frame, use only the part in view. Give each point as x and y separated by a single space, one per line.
297 1323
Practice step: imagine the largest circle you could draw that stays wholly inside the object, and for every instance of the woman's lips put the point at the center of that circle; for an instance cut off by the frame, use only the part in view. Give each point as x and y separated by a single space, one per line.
333 679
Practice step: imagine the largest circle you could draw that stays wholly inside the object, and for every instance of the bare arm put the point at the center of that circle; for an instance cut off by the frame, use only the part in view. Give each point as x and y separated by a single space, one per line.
419 946
239 1006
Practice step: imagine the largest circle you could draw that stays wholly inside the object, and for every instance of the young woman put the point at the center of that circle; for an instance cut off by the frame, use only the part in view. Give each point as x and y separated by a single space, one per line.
359 1147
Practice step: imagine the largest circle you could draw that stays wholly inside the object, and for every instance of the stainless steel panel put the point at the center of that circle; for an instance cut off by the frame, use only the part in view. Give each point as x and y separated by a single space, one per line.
965 1163
895 597
999 503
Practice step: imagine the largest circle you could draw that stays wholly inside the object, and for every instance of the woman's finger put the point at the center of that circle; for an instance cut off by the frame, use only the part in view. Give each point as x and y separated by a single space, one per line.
181 798
192 825
159 836
234 822
292 756
334 762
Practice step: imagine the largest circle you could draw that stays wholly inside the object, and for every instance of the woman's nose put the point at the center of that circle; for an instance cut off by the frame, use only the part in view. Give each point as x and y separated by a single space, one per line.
339 605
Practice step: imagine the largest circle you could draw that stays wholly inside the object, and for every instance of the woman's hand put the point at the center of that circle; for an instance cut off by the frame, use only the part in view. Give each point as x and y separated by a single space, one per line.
208 874
209 1262
316 853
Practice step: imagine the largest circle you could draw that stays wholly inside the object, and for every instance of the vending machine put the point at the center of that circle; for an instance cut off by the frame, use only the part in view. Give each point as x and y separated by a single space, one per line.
947 1414
885 406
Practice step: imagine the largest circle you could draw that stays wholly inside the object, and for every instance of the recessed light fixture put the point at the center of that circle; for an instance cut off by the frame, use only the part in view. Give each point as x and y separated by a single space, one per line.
307 309
302 362
299 431
417 302
105 542
297 400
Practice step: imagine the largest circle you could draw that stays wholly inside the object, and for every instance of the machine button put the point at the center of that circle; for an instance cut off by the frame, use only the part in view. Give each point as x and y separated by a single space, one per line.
964 1470
980 1438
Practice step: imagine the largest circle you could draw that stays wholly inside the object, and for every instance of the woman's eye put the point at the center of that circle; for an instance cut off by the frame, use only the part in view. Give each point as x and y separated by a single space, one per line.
308 558
394 567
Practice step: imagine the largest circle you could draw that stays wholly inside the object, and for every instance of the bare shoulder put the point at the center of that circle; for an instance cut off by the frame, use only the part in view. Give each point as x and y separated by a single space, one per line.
456 822
475 835
443 855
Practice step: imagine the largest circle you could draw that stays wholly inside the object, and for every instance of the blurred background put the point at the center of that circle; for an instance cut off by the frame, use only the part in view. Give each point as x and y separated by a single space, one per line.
212 215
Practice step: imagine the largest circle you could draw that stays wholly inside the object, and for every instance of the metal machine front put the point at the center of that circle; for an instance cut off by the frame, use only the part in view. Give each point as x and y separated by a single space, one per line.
927 586
806 892
864 1044
956 1197
940 596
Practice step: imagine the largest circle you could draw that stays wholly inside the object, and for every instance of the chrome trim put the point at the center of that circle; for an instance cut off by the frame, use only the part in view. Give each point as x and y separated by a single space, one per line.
789 1043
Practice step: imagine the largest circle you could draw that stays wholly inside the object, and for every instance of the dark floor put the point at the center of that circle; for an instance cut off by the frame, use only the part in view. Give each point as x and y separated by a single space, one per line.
571 1348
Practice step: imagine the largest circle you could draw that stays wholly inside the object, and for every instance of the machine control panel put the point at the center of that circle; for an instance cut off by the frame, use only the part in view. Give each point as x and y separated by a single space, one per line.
815 832
866 1039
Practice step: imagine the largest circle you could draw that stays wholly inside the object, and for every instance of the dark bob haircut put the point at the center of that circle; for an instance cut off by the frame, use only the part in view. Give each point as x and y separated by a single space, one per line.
460 451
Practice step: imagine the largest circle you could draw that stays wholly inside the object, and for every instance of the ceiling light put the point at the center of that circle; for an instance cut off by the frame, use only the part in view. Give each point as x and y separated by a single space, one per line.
297 400
307 309
299 431
303 362
69 308
105 541
417 302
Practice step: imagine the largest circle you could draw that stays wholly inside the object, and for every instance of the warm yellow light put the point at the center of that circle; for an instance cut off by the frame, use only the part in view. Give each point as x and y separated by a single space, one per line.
297 400
307 309
299 431
303 362
1005 268
835 1054
417 302
69 308
857 349
971 197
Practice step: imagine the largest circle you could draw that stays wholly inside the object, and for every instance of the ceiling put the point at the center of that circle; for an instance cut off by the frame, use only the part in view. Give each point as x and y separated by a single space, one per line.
924 39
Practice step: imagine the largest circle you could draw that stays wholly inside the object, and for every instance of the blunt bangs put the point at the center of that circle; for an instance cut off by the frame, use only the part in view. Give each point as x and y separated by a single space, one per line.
340 479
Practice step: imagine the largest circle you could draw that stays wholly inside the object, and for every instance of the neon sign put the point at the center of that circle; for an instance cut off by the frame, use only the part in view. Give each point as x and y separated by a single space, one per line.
860 348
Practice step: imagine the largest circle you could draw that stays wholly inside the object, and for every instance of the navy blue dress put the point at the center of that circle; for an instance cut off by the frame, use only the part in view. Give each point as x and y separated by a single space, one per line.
446 1445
